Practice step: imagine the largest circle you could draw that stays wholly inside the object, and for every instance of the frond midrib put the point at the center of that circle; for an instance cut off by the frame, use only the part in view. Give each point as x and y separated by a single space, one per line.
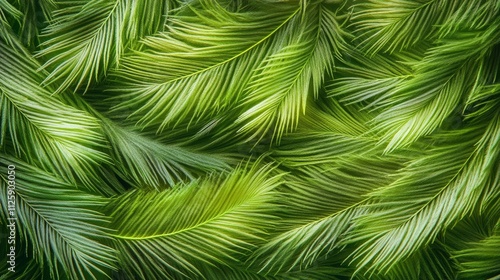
64 238
231 58
213 218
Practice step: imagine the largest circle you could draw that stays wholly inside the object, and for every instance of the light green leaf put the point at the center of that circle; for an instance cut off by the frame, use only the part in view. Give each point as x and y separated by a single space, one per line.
86 38
66 226
43 130
211 222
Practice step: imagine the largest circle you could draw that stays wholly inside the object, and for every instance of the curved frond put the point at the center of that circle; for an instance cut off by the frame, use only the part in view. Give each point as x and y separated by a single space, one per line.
396 25
319 206
86 38
278 92
65 225
208 222
473 241
318 272
152 164
431 262
325 135
199 66
148 161
421 104
369 80
481 259
32 16
46 132
7 8
432 194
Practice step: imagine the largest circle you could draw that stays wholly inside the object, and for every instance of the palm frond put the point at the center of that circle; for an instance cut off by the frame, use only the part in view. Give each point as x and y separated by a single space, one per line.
32 16
471 243
152 164
369 80
7 9
481 259
198 46
431 262
326 134
65 226
32 121
319 204
208 222
278 92
396 25
324 271
431 195
147 161
87 38
471 15
421 104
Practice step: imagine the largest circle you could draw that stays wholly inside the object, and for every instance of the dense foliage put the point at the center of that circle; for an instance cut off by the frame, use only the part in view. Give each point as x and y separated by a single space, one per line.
251 139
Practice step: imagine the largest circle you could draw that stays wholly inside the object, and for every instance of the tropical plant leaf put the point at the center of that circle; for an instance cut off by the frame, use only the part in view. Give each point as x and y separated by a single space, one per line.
432 194
369 80
263 139
324 136
481 259
277 94
321 203
87 38
209 222
200 44
147 161
151 164
396 25
32 121
30 16
64 225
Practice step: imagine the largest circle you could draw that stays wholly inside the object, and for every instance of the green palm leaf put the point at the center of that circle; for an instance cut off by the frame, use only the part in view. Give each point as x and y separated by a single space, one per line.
65 226
423 103
87 38
148 161
200 44
152 164
321 203
210 222
278 92
481 259
400 24
264 139
432 194
32 122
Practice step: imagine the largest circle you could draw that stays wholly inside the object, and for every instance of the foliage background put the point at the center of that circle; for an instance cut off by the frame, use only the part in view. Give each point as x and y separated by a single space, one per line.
252 139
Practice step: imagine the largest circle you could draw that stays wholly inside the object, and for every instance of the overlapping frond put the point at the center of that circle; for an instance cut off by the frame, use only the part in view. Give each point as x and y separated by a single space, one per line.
319 204
47 133
209 222
30 16
64 225
199 66
371 81
278 92
433 193
326 134
431 262
86 38
400 24
263 139
147 161
481 259
414 101
152 164
322 271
